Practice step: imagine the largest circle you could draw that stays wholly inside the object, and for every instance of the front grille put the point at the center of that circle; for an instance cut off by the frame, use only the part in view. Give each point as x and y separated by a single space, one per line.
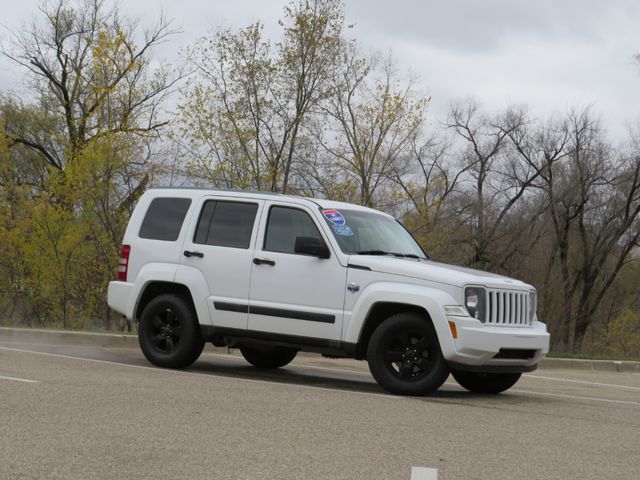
505 307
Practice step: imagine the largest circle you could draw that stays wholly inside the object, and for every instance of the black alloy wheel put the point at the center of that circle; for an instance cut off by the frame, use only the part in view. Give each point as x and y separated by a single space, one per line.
404 355
169 332
410 354
166 331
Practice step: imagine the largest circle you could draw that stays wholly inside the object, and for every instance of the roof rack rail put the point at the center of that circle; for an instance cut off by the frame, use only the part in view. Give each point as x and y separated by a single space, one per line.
214 189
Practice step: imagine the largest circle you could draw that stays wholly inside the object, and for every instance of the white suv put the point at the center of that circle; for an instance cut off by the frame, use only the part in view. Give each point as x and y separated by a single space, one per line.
273 275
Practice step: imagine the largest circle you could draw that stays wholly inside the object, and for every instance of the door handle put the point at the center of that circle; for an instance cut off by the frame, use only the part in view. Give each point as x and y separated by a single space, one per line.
264 261
187 253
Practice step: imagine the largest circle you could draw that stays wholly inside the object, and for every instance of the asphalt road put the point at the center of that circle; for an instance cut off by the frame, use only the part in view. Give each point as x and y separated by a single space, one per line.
76 412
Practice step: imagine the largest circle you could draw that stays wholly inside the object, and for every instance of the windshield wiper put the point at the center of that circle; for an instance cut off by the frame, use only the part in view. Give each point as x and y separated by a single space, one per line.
395 254
374 252
412 255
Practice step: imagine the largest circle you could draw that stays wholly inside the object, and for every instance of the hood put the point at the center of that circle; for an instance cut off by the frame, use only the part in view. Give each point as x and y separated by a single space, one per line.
436 272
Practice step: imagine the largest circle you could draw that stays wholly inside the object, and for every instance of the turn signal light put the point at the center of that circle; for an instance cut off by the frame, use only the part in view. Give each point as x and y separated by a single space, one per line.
454 330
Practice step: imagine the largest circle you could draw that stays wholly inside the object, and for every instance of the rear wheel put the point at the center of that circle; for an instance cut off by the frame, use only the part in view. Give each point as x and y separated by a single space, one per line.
169 334
404 355
486 382
268 357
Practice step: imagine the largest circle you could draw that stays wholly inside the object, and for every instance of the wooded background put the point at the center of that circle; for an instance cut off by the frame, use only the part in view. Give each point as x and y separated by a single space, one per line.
552 201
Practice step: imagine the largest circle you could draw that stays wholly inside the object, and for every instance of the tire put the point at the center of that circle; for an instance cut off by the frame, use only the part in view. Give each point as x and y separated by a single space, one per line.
268 357
404 355
492 383
169 333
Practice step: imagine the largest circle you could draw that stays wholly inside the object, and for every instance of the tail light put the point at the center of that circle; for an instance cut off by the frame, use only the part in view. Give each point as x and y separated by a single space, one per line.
123 263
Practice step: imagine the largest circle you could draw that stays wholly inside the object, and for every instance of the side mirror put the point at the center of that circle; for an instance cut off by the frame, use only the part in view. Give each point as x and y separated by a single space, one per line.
312 246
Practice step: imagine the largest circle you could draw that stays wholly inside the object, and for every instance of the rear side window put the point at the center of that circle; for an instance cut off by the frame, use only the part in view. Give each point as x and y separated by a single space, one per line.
226 224
284 225
164 218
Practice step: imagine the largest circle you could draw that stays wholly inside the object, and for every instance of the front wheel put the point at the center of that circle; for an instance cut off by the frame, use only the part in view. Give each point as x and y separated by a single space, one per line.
268 357
404 355
492 383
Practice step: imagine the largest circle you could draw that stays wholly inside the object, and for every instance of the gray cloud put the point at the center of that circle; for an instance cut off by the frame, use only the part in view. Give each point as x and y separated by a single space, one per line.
549 54
485 25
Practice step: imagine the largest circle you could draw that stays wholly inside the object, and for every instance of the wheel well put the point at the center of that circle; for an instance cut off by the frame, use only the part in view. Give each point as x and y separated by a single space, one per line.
378 313
154 289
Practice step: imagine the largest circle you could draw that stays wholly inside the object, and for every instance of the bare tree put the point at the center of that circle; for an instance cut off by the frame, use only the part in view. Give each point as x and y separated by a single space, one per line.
246 105
376 121
428 180
593 202
498 178
88 79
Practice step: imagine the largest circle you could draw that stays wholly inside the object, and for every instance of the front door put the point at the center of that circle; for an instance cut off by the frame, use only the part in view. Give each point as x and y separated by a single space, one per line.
220 247
294 294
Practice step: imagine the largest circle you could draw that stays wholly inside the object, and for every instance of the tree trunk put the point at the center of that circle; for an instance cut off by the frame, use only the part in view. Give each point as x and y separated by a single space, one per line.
583 321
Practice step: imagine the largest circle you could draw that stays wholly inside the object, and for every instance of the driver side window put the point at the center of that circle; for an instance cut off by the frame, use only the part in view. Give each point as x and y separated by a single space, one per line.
284 225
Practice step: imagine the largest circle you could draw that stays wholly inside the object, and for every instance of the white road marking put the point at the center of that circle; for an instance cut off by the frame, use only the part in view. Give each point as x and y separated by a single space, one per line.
343 370
595 399
15 379
584 382
224 377
422 473
367 374
312 387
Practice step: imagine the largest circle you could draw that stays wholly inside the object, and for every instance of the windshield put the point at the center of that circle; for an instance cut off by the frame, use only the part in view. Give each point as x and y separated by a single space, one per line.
368 233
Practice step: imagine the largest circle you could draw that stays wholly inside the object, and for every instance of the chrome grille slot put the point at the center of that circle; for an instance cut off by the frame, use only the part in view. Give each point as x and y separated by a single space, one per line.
507 307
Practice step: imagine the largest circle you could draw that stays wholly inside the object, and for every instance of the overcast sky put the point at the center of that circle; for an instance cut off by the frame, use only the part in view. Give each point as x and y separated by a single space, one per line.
549 54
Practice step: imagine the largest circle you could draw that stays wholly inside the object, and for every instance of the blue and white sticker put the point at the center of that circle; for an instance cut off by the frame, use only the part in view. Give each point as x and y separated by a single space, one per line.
342 230
334 216
337 222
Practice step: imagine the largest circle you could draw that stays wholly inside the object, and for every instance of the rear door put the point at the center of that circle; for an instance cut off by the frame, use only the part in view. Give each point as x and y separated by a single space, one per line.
220 246
294 294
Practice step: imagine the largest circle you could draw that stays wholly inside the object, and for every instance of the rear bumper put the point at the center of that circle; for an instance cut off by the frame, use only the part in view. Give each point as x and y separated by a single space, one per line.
497 348
119 298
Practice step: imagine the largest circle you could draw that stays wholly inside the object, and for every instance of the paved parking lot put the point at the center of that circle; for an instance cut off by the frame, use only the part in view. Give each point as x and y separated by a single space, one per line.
82 412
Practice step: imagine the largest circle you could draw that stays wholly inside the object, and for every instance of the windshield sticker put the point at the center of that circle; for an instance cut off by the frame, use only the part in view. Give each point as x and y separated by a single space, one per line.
342 230
334 216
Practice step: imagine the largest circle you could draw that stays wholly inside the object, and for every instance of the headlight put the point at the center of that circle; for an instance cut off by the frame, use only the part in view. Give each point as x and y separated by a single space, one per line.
532 306
475 301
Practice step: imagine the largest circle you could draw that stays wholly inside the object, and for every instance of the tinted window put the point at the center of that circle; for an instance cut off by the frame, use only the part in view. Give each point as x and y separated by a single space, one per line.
284 225
226 224
164 218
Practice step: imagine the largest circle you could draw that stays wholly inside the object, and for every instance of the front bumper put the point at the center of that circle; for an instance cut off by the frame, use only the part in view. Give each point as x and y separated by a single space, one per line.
478 345
492 368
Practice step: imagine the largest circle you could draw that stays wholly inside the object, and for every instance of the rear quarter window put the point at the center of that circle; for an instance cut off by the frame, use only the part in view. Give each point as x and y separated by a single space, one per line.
164 218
